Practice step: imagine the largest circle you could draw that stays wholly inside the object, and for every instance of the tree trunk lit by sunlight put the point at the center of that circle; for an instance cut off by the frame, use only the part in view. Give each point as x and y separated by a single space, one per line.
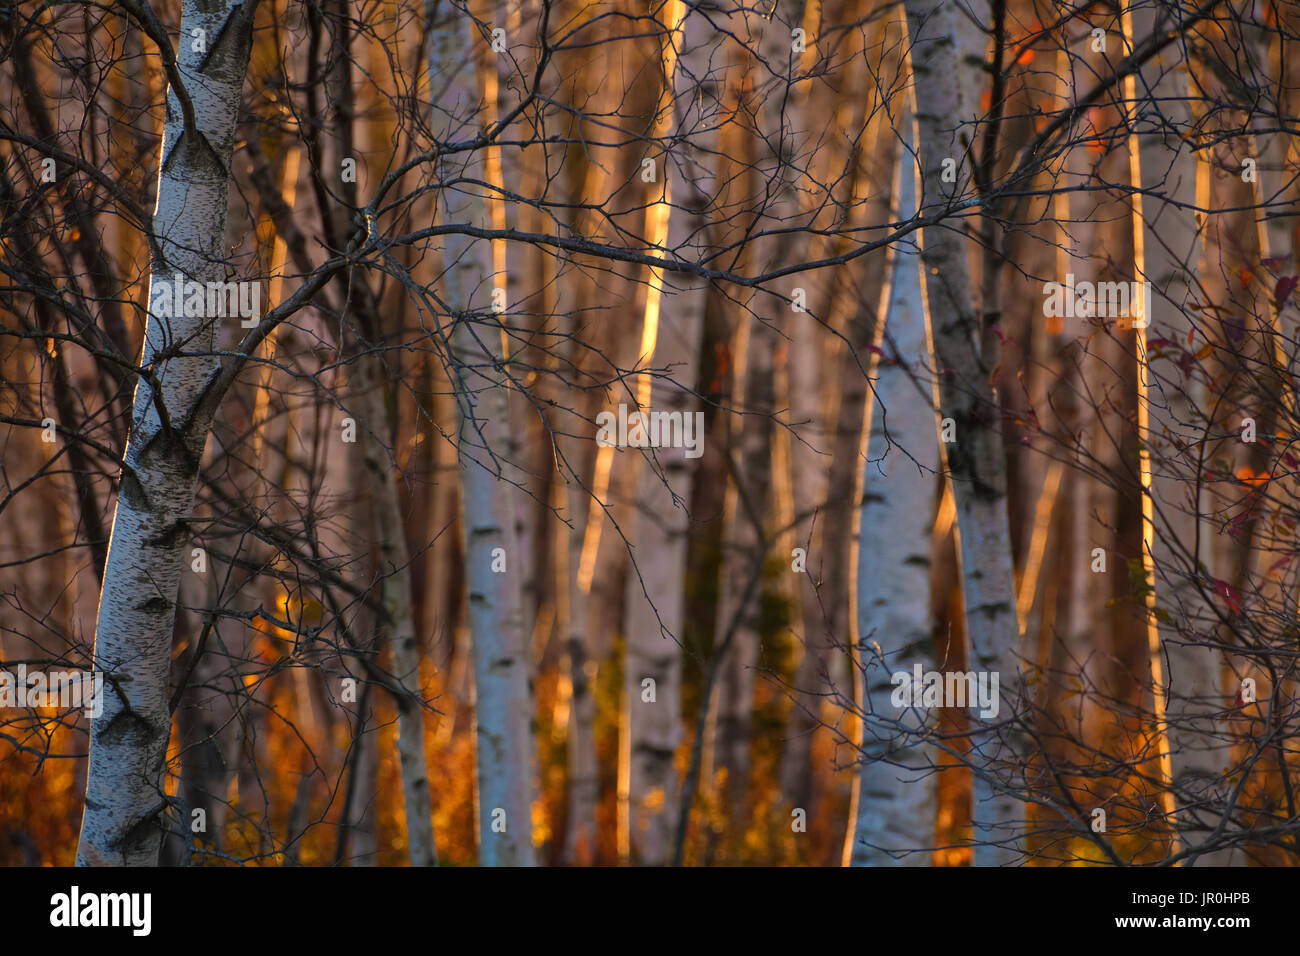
900 460
674 323
1178 541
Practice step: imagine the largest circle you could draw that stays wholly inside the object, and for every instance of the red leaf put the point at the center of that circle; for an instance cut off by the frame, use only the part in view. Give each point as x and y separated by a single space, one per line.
1282 291
1279 562
1229 595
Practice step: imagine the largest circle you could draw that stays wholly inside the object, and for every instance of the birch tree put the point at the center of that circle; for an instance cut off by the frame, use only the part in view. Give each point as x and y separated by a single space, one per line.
398 617
125 799
899 462
670 341
492 557
947 52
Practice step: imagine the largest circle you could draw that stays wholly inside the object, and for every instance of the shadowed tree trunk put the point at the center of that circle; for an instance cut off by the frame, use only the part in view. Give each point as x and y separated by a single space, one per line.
671 341
398 622
1186 677
947 54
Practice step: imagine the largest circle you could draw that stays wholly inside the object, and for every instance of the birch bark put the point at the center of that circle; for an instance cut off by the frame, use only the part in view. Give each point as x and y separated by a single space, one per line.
125 798
493 562
947 54
398 622
899 461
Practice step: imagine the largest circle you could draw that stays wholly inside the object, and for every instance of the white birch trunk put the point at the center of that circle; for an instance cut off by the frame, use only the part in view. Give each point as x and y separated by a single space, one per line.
900 458
503 708
399 619
137 609
947 54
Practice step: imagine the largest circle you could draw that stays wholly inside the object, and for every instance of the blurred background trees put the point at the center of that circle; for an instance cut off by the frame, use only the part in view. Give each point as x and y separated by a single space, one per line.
368 589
